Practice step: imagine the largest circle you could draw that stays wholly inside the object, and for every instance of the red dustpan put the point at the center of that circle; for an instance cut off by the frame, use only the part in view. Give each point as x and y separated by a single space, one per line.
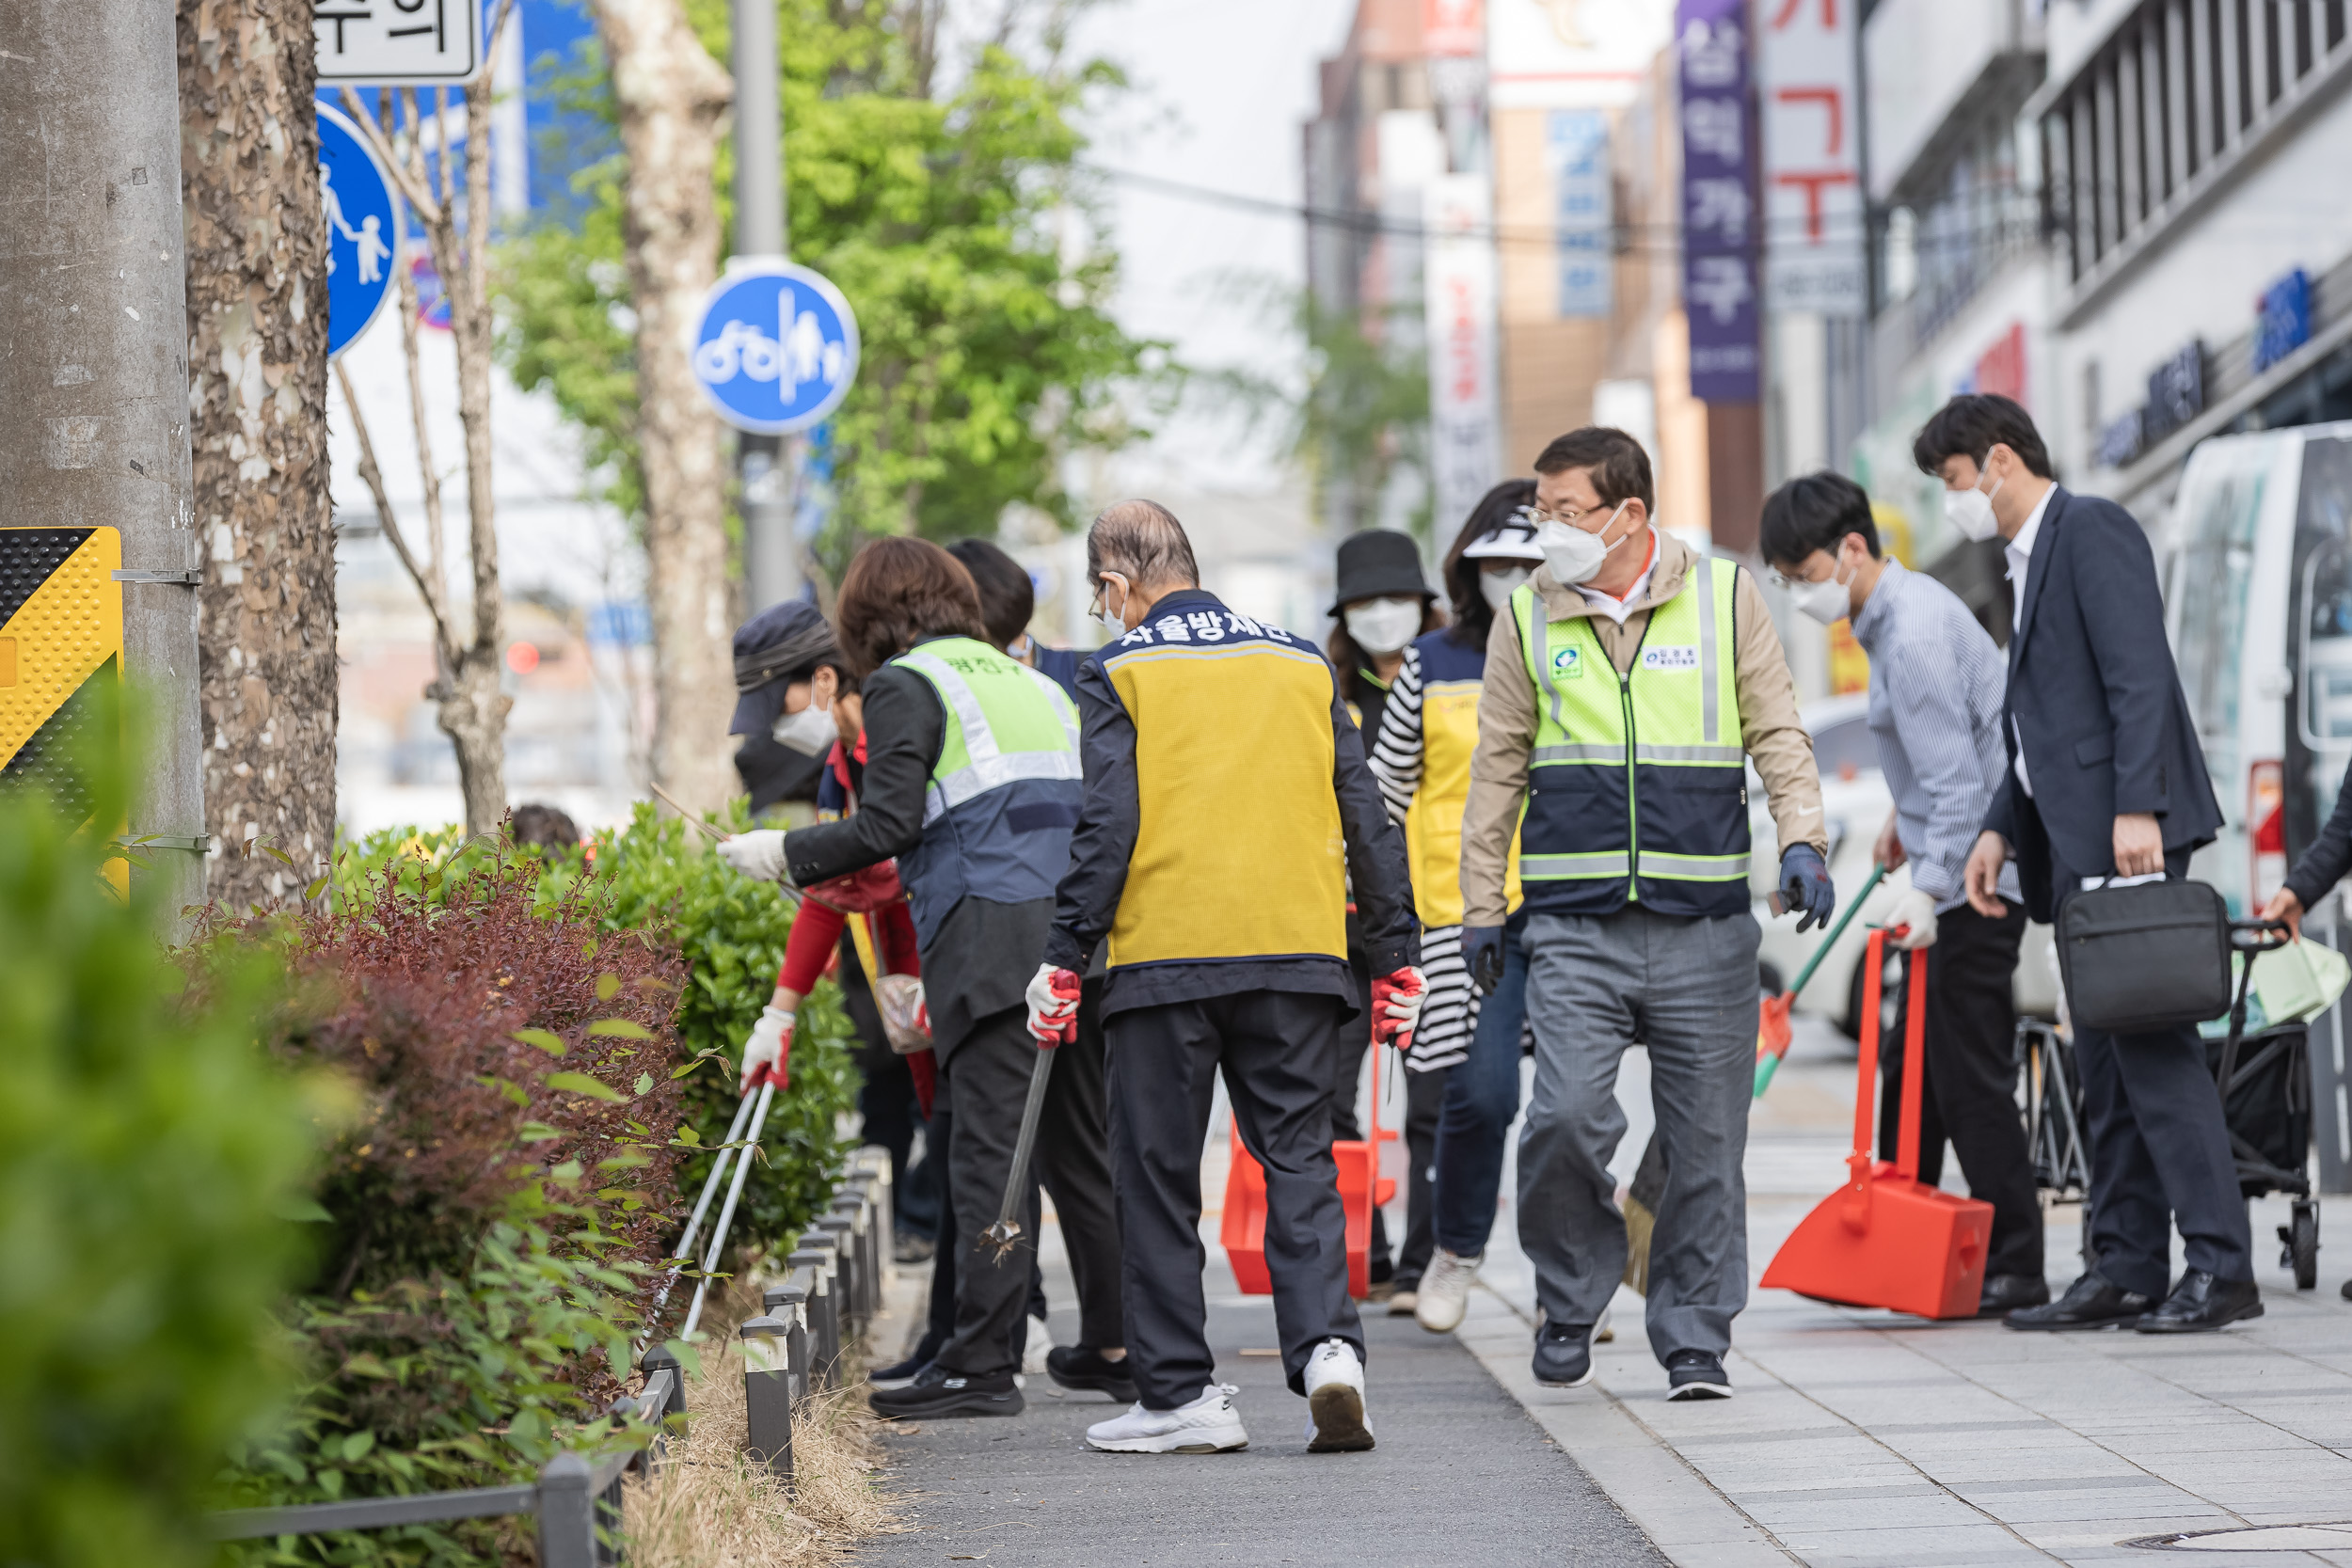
1886 1239
1363 1189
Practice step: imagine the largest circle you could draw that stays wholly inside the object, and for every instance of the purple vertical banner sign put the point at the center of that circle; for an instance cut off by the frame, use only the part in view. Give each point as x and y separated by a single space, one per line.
1720 212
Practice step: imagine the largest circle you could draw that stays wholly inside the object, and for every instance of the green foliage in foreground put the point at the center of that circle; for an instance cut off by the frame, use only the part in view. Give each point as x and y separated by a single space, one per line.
152 1165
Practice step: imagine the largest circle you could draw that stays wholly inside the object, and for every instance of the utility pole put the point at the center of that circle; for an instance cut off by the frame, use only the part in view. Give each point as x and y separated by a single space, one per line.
772 561
93 358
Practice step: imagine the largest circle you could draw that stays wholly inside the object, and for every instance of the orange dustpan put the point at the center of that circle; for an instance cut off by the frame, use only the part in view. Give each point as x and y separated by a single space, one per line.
1363 1189
1885 1238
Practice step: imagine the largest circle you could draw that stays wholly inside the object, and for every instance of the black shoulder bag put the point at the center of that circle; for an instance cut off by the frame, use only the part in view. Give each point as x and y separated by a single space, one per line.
2152 956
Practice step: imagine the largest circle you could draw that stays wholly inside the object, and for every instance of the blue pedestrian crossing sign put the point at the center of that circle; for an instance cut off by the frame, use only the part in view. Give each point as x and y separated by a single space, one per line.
363 230
776 348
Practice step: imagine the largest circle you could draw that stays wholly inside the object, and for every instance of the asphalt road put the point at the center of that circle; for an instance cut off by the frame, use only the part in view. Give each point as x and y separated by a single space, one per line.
1461 1476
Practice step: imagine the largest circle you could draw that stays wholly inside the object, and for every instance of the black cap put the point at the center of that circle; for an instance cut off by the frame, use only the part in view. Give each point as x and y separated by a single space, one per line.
769 646
1380 564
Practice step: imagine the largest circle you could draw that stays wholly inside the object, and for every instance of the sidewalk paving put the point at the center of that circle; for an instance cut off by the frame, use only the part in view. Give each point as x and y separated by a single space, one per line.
1857 1439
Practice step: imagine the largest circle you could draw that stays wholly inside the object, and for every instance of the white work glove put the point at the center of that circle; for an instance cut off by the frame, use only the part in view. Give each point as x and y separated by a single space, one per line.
758 854
1053 998
1915 909
764 1052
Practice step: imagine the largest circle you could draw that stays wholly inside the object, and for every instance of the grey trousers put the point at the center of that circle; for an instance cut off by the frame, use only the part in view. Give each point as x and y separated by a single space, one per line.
1686 989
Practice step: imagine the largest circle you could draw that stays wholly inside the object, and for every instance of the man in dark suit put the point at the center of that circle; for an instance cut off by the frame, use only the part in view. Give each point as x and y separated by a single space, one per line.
2105 780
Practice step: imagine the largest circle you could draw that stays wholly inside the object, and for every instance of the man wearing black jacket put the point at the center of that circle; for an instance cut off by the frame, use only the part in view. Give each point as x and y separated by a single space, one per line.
2104 781
1212 859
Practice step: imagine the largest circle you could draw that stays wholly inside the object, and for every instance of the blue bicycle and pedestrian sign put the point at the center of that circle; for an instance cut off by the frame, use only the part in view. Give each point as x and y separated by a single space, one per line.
776 348
363 230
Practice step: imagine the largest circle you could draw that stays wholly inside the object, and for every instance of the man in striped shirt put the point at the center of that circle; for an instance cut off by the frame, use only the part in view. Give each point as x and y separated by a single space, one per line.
1936 709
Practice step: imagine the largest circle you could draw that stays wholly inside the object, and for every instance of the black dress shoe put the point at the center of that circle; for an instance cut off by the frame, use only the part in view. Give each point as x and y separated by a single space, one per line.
938 1392
2005 1293
1082 1366
2091 1302
2200 1304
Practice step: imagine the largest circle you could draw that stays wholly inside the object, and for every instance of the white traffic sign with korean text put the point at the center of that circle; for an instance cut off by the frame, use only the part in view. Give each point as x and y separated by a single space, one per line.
776 348
398 42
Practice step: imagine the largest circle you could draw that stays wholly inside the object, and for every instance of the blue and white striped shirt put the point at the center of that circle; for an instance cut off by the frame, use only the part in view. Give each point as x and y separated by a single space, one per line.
1936 683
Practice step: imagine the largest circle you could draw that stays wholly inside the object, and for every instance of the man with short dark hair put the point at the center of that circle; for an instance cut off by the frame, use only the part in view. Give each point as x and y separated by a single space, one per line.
2104 778
1625 690
1936 709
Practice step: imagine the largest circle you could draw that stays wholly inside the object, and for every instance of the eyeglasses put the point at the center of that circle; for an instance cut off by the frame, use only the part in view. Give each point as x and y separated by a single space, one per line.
1535 517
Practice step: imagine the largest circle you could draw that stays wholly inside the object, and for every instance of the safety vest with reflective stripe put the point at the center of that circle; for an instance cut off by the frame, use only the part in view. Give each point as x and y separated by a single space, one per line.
1004 794
1636 784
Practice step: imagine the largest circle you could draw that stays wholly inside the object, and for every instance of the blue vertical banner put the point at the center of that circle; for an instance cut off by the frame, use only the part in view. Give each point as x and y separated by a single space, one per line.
1576 152
1720 239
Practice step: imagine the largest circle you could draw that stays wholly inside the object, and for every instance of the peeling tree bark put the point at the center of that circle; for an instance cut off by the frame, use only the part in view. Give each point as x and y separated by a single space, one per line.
257 401
672 99
473 704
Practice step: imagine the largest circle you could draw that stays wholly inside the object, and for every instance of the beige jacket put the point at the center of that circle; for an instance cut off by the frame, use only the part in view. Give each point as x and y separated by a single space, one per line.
1769 727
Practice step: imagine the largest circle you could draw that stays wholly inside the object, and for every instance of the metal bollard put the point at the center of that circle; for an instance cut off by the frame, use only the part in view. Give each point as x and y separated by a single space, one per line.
789 1301
841 1229
768 1394
657 1360
823 1319
868 1265
567 1513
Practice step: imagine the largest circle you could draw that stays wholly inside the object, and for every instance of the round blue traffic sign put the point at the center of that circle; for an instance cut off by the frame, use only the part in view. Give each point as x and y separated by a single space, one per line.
363 230
776 348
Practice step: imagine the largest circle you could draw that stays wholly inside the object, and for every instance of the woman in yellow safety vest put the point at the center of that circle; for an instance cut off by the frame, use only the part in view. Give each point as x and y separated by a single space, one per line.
1464 1057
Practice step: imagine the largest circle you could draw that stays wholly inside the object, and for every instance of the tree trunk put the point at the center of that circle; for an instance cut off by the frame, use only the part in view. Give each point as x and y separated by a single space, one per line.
672 99
257 370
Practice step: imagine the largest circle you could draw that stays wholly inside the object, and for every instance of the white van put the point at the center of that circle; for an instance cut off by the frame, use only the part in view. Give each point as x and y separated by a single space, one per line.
2257 570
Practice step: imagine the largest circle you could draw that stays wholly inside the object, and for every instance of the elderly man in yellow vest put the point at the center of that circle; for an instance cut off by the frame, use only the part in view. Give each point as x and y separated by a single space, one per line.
1624 691
1227 804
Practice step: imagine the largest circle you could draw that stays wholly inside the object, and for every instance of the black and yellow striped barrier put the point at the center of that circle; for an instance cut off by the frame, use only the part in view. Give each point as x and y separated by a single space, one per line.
60 636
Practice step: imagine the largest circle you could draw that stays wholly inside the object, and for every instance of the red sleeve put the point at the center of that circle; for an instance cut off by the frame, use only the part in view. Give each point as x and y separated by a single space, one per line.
897 931
815 931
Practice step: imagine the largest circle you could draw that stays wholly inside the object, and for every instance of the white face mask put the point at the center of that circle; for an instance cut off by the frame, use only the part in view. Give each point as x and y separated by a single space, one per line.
1383 625
1970 512
1574 555
1113 621
1827 602
1496 588
809 732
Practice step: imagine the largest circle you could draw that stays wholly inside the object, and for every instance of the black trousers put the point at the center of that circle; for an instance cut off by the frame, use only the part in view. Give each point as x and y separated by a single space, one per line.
984 1085
2159 1151
1970 1092
886 1102
1277 1049
942 1324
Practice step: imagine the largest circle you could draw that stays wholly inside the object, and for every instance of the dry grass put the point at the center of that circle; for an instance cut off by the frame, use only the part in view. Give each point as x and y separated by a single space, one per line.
709 1507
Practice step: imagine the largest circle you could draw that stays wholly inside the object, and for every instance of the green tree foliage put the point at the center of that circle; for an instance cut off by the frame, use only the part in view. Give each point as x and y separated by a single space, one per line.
1359 420
151 1159
942 209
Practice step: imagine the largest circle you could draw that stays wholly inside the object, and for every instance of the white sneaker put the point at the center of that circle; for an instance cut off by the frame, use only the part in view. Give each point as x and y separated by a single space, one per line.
1209 1424
1445 1290
1034 1351
1335 1400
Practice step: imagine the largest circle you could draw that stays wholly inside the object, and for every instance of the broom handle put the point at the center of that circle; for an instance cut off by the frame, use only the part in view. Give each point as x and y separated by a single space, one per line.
1866 1074
690 816
1853 907
1914 1067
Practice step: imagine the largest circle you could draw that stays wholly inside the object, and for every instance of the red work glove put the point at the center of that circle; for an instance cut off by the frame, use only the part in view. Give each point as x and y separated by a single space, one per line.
1396 1000
1053 998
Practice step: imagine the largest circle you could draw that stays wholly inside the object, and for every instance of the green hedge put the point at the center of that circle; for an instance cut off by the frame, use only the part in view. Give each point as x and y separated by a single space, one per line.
152 1167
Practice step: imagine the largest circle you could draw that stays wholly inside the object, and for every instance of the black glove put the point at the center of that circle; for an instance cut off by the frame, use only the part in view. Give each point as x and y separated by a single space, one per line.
1482 955
1805 888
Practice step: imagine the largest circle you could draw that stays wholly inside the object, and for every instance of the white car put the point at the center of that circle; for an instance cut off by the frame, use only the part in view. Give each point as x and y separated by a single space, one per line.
1855 801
